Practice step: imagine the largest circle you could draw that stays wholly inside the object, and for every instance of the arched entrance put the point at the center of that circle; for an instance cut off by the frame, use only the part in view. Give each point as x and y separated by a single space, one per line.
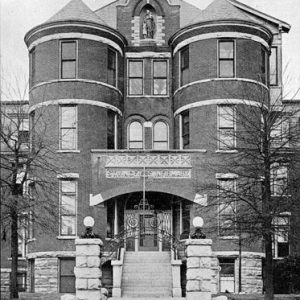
148 223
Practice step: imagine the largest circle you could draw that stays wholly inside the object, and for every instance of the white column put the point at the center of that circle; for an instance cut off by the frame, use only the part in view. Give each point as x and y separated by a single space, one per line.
180 132
116 230
180 218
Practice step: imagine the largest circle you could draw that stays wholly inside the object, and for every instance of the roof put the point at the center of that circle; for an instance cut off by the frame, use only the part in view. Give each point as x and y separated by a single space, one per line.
76 10
222 10
234 10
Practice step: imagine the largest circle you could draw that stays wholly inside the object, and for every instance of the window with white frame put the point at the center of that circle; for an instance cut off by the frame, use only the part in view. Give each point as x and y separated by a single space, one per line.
280 132
111 67
160 70
227 274
135 135
226 59
274 66
264 65
185 131
66 275
281 236
279 180
68 59
227 206
226 127
68 127
184 65
160 136
111 130
135 77
68 200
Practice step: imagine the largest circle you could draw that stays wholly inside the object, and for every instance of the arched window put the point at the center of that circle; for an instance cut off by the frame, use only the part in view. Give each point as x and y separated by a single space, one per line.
135 135
160 136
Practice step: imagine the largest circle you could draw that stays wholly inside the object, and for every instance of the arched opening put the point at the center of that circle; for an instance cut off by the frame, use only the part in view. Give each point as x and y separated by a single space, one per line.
150 225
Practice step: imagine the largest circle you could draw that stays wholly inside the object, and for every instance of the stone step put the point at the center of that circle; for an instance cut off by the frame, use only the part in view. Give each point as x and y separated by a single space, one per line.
147 298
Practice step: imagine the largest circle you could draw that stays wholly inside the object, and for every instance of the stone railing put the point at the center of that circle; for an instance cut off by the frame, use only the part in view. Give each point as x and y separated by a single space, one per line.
117 274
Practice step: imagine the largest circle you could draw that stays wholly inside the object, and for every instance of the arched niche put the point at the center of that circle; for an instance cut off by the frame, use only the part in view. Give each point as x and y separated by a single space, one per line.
148 22
152 3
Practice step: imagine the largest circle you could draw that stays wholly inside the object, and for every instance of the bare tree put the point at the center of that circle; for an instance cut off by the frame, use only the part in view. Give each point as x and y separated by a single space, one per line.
260 142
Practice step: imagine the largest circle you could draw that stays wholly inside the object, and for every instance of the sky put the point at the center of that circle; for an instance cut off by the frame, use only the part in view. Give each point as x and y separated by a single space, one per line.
19 16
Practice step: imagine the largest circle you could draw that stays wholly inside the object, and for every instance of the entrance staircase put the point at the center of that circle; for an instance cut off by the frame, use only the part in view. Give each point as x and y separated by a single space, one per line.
147 275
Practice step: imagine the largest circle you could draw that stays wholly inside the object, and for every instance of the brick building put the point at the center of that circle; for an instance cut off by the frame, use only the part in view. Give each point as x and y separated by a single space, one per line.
136 95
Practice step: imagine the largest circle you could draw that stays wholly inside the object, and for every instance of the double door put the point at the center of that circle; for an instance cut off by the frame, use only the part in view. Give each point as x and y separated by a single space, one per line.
147 230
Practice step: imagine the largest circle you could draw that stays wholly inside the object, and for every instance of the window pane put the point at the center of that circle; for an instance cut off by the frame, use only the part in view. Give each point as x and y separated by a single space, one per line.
226 116
68 50
184 58
111 60
68 225
160 146
160 87
136 131
68 139
160 69
68 116
67 284
136 86
226 68
135 145
226 50
135 69
226 138
160 131
67 266
68 69
68 186
68 205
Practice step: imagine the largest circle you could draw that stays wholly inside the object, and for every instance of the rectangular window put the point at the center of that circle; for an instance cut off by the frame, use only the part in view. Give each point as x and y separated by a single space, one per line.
160 69
68 127
226 274
66 275
227 207
279 180
186 130
21 281
281 237
111 67
23 133
274 66
280 131
135 86
68 198
226 124
32 67
226 59
110 129
184 65
264 66
68 59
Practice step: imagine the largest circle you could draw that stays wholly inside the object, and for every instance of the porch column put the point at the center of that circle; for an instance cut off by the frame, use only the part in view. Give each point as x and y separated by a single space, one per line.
88 269
199 269
116 229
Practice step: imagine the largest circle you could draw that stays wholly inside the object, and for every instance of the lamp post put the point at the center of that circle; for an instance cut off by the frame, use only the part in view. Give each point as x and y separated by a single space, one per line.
198 224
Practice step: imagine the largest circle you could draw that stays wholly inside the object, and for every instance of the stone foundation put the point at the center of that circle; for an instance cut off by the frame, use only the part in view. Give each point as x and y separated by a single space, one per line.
5 274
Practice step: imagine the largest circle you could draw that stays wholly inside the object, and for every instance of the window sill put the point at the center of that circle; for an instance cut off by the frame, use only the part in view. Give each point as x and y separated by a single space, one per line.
67 237
148 96
22 258
226 151
68 151
229 237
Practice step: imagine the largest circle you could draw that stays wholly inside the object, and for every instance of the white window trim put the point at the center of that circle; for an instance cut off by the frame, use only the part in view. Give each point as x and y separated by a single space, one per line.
168 134
234 57
60 58
234 129
60 130
167 77
61 236
117 64
128 78
275 241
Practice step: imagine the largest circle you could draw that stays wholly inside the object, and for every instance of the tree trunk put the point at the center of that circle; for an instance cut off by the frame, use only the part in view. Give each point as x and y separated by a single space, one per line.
268 268
14 252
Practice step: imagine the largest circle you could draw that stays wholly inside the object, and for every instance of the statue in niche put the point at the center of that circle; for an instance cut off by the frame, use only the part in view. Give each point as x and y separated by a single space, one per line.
148 25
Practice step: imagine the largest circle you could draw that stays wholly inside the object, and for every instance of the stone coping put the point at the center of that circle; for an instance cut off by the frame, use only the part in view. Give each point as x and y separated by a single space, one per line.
88 242
50 254
198 242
